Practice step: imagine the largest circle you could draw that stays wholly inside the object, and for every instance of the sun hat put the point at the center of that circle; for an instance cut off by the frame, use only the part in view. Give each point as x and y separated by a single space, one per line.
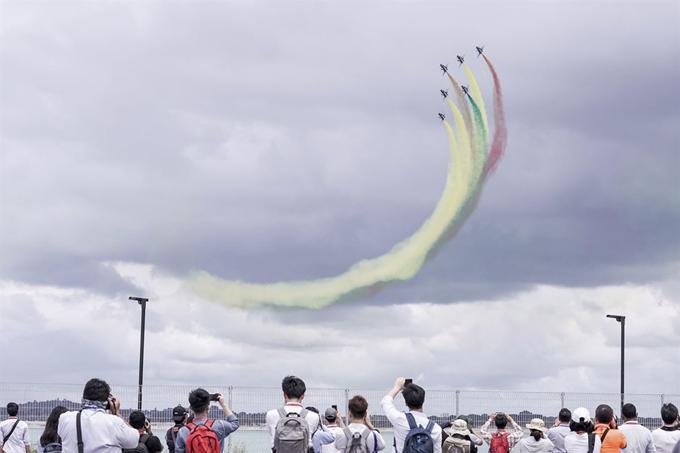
466 419
459 427
580 413
537 424
331 414
178 413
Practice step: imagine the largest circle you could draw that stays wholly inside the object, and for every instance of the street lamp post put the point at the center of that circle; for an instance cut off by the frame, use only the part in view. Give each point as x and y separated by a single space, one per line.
142 301
622 320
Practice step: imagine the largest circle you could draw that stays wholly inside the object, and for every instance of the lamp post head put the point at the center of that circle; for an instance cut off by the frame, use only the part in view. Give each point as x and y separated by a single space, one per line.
140 300
619 318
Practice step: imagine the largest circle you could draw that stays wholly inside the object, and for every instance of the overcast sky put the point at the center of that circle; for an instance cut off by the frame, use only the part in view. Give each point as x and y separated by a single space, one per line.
280 141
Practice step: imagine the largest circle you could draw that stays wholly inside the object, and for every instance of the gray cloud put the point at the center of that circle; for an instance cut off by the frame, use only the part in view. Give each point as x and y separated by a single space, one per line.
256 144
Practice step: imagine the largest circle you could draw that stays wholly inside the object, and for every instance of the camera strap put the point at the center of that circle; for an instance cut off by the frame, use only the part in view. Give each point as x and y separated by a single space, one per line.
4 440
79 433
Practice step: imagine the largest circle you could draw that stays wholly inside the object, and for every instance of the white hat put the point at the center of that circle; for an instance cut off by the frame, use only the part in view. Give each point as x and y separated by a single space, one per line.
537 424
580 413
459 427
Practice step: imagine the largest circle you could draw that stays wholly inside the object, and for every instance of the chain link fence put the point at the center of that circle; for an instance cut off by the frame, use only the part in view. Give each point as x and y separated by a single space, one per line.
251 403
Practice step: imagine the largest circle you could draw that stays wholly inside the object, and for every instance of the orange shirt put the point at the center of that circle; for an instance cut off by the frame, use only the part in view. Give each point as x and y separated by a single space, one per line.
614 440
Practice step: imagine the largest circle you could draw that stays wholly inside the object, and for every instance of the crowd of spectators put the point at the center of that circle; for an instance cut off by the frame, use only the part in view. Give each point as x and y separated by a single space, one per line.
99 427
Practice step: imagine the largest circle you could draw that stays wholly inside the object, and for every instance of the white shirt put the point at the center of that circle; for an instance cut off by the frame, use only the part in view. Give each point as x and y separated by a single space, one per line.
401 426
578 443
664 441
341 440
102 432
638 438
18 440
273 418
531 445
556 434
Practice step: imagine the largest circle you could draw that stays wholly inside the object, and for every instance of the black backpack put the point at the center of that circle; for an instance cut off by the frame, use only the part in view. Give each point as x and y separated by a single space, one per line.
141 446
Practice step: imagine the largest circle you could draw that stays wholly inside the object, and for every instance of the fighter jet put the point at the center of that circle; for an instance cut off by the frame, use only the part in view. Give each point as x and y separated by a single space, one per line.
441 116
444 93
465 89
479 51
461 60
444 68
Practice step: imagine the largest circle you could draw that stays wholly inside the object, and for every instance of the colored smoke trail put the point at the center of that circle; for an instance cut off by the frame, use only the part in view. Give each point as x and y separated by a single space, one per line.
500 138
464 184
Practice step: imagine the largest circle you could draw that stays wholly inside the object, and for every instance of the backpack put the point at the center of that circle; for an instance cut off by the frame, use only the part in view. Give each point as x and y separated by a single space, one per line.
356 442
456 444
499 443
418 439
141 446
202 438
291 434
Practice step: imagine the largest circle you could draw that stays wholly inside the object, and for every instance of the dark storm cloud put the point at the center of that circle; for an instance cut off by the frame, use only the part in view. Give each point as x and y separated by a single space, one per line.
256 144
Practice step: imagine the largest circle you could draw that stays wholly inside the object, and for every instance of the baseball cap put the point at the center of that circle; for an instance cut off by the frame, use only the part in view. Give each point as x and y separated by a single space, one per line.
580 413
331 414
178 413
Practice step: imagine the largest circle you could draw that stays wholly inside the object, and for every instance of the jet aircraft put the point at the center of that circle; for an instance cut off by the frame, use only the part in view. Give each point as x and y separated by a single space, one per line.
444 93
479 51
441 116
461 60
465 89
444 68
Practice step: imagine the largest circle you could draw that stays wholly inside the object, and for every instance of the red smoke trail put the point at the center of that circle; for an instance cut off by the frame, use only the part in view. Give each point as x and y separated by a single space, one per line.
500 136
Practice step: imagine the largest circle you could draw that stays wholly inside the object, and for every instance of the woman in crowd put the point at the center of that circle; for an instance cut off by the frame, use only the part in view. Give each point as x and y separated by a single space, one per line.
583 437
50 441
536 442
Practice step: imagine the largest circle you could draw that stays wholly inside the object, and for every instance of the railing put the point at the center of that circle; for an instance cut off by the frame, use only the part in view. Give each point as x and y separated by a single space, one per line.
251 403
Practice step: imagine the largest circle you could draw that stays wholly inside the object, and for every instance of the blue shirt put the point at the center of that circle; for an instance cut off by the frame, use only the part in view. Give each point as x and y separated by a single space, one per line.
221 427
322 436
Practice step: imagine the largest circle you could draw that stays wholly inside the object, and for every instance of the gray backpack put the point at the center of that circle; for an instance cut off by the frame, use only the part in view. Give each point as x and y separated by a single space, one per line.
356 442
291 434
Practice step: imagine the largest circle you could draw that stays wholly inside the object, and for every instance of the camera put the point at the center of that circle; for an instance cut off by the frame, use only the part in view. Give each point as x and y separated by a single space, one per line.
335 406
214 397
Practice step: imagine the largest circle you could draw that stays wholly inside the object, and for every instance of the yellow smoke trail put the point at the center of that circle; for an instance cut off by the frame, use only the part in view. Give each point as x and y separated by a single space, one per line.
401 263
464 142
477 96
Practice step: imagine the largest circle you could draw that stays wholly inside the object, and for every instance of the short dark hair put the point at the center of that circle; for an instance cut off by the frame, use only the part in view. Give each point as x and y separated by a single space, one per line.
199 400
293 387
96 390
501 421
564 415
357 406
629 411
12 409
414 396
604 413
137 419
669 413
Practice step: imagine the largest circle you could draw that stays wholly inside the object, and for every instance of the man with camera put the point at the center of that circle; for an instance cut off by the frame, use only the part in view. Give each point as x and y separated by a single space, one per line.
501 441
97 430
207 432
148 443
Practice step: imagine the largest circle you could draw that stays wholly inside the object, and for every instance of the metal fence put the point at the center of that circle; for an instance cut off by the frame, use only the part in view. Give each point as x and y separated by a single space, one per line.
251 403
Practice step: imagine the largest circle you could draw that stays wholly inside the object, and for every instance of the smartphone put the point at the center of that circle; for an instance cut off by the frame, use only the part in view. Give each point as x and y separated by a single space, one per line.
335 406
408 381
214 397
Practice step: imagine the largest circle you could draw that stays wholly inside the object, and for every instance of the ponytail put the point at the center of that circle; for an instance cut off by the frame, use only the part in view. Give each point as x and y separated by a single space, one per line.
538 435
